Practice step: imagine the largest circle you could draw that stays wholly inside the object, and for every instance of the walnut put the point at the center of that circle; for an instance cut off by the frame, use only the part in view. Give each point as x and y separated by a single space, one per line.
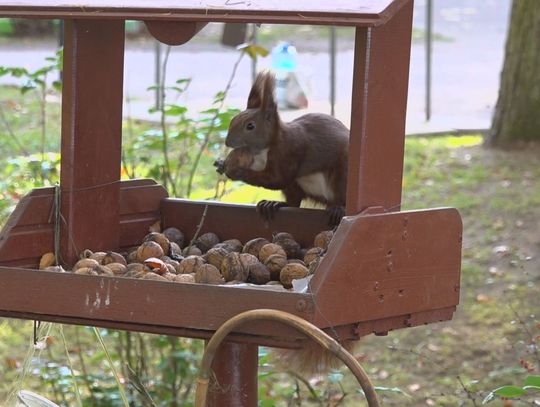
158 266
190 264
118 269
206 241
233 268
153 276
235 245
208 274
46 260
175 236
192 251
184 278
290 272
216 255
86 263
287 242
254 246
322 239
313 254
113 257
149 249
269 249
258 274
275 263
160 239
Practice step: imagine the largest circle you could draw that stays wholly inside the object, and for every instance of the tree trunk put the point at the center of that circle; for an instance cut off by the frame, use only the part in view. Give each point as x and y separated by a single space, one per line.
517 115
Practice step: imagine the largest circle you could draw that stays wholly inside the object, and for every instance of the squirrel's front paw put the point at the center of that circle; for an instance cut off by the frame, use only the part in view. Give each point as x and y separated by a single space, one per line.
220 166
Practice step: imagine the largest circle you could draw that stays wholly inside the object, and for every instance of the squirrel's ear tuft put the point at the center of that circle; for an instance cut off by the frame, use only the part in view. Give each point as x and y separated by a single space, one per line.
269 84
255 97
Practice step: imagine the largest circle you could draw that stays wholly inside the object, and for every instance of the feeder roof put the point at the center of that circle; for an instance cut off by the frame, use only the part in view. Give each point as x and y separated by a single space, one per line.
327 12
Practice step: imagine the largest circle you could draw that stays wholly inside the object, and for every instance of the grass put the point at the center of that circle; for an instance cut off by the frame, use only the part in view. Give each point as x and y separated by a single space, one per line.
498 196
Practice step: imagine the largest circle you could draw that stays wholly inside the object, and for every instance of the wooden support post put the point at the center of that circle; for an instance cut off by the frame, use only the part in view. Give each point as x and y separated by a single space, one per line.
379 104
91 135
235 380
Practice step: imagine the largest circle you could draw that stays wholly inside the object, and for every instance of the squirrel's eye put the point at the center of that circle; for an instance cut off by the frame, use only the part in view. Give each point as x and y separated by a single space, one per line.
250 126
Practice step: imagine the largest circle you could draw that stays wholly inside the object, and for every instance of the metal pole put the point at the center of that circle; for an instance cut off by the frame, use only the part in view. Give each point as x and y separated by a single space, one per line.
253 60
157 74
332 70
429 35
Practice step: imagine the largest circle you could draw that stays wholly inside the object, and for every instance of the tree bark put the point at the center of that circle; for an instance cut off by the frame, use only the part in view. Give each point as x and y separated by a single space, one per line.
517 114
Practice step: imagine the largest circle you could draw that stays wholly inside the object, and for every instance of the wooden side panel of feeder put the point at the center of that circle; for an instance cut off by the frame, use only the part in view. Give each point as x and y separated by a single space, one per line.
29 231
230 221
394 264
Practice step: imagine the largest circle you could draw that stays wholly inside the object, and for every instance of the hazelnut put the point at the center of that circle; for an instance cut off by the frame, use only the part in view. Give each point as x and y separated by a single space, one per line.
190 264
208 274
269 249
175 236
322 239
149 249
290 272
275 263
216 255
206 241
233 268
258 274
160 239
254 246
184 278
46 260
313 254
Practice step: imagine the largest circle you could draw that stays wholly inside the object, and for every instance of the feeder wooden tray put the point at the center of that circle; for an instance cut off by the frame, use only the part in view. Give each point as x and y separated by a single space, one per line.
384 269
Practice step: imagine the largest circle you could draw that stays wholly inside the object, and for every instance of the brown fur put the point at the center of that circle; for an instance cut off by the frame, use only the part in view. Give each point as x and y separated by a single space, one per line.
311 359
310 144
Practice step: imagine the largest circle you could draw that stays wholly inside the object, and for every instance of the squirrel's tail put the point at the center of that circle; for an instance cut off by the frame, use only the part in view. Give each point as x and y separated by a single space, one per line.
311 359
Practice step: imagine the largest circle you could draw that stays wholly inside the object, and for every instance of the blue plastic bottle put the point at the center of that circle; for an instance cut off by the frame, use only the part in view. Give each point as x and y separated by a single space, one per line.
284 62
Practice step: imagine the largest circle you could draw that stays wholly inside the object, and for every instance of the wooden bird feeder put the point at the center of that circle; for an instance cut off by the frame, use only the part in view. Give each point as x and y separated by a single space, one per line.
385 269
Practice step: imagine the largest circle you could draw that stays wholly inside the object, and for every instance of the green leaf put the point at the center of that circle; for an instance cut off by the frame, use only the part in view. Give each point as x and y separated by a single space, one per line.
175 110
509 391
253 50
532 381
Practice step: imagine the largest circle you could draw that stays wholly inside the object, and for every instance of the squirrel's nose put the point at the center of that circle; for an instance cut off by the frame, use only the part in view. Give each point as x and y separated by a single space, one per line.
234 142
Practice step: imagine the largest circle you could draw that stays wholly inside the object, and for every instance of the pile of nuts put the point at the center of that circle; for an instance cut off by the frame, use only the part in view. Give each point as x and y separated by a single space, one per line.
208 260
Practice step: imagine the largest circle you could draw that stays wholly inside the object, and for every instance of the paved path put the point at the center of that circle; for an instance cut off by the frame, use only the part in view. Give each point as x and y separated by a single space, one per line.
466 69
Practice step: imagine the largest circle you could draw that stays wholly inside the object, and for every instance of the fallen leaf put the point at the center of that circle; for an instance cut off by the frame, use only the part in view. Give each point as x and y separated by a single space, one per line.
481 298
413 387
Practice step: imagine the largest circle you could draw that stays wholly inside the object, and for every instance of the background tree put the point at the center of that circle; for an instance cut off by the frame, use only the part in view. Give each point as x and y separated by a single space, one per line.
517 115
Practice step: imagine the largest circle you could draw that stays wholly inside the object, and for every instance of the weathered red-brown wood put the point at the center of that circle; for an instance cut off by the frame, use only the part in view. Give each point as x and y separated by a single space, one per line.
91 135
172 32
29 231
379 103
234 380
242 222
389 264
336 12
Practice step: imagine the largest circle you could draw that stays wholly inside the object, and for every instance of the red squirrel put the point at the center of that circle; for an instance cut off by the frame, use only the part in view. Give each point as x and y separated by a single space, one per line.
305 158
